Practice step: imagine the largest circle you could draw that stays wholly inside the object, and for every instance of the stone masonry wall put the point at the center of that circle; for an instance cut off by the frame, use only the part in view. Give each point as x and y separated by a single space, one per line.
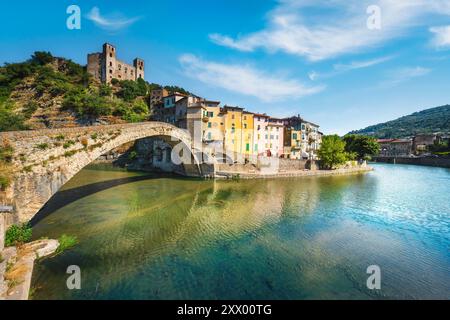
44 160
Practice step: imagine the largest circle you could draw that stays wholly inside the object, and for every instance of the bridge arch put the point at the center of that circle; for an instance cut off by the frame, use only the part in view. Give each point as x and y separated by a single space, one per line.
44 160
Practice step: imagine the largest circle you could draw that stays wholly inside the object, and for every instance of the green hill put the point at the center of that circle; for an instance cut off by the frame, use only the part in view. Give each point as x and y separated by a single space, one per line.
50 92
434 120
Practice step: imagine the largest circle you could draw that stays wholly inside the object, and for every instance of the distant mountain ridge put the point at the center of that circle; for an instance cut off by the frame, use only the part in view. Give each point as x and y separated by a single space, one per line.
434 120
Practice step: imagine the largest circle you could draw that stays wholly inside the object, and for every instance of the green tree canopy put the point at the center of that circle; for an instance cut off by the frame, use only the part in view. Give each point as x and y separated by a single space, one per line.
362 146
332 151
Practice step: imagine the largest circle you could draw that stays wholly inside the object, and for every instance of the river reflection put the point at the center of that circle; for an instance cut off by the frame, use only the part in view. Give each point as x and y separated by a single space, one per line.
152 237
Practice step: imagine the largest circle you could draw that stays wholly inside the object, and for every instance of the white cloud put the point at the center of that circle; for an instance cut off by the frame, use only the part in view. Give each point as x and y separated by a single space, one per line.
340 29
112 23
245 80
342 68
401 75
441 36
360 64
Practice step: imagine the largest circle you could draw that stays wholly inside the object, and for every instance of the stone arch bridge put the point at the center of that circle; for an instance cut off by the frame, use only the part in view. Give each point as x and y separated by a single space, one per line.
44 160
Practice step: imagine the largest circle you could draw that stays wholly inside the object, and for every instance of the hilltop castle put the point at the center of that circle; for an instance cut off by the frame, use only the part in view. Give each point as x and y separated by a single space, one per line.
105 66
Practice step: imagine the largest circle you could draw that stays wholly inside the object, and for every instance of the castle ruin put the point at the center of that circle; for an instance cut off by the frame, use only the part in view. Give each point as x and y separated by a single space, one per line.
104 66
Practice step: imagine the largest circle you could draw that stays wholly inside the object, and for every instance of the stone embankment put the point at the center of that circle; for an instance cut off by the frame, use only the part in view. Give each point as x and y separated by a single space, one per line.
16 267
268 168
292 174
432 161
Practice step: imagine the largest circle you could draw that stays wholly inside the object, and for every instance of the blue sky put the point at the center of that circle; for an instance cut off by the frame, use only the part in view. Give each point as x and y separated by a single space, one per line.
315 58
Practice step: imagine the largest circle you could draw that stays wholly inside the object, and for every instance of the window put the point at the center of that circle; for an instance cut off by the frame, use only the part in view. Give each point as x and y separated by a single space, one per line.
259 127
294 136
247 147
209 135
259 136
110 64
209 124
120 67
245 126
110 71
245 117
256 147
271 137
266 136
232 116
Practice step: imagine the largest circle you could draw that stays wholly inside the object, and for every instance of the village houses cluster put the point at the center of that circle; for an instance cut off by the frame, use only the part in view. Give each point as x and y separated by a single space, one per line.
230 130
235 131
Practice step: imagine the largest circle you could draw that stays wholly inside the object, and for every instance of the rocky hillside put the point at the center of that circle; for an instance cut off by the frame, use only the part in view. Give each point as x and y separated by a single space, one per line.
50 92
434 120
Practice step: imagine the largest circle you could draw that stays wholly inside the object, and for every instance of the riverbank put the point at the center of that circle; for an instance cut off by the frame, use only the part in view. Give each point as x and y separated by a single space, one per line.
16 267
442 162
293 174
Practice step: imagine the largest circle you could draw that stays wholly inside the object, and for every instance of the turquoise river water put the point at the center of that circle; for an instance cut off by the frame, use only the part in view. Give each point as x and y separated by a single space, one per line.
163 237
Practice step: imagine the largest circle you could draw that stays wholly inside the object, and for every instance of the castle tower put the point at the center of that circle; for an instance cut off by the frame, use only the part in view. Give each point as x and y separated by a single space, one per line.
139 65
109 60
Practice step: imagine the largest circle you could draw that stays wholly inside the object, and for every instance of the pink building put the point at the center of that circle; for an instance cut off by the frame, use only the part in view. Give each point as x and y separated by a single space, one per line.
275 137
260 133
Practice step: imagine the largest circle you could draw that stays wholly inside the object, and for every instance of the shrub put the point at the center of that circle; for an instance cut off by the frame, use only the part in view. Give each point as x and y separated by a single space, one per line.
29 109
5 182
42 146
6 152
42 57
68 144
133 155
105 90
70 153
94 136
18 234
66 242
84 141
60 137
10 121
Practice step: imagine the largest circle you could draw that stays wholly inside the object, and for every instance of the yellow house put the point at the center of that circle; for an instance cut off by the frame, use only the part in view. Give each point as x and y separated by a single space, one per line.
213 128
248 148
232 117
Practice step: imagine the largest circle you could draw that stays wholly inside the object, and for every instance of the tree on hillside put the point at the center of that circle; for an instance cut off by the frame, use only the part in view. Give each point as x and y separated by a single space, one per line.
42 57
332 151
362 146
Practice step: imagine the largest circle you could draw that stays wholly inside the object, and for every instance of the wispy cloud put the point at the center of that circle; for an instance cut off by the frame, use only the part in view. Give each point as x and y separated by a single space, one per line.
441 37
340 29
245 79
400 75
345 67
361 64
111 23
